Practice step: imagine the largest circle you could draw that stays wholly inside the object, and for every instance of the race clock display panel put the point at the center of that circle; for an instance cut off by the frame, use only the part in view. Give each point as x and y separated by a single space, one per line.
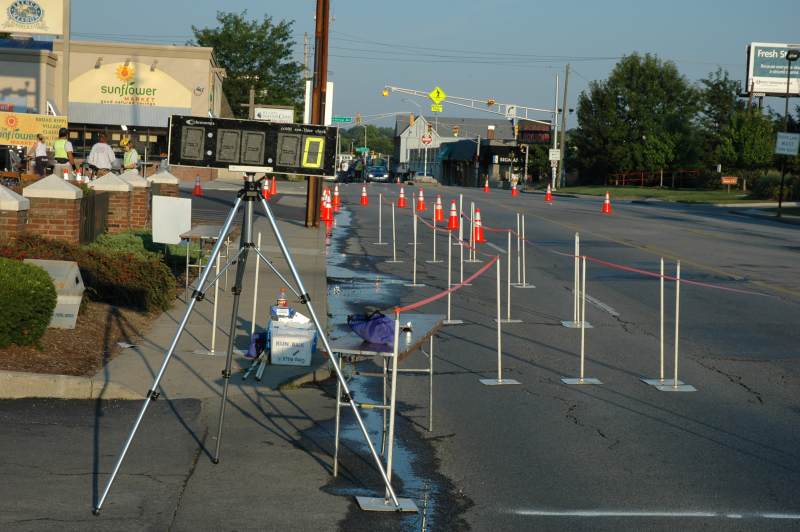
278 148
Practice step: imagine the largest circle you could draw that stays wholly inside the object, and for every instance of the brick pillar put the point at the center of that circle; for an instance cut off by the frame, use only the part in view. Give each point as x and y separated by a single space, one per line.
55 209
13 214
140 199
119 202
165 183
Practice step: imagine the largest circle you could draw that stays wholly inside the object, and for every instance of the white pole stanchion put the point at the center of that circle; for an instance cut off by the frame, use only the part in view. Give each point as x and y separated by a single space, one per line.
524 264
255 289
576 322
461 260
661 380
413 282
394 242
473 248
582 379
499 381
508 286
460 220
434 261
519 272
676 385
380 241
449 320
211 351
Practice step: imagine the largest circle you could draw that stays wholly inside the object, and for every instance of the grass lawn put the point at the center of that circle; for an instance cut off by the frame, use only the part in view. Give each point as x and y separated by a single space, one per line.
665 194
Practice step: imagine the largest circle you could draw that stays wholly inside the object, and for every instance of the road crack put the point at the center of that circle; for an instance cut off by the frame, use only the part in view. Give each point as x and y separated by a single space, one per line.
735 379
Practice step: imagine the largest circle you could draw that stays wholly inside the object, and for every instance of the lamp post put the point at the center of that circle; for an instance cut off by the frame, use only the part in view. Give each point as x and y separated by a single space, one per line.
791 57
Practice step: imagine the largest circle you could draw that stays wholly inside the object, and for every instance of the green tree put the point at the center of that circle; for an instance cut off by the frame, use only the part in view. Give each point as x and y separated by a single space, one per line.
638 119
379 139
256 54
748 142
719 99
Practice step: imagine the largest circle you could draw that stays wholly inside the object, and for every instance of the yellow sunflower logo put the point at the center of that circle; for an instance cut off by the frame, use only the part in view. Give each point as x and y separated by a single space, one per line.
125 72
11 121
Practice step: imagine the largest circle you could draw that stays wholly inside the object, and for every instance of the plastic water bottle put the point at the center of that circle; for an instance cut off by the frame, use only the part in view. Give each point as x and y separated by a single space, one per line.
282 302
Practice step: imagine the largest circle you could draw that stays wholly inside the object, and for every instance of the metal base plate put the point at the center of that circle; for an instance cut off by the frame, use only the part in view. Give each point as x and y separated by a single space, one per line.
585 380
379 504
504 320
474 261
678 388
452 322
393 261
495 382
523 286
380 243
659 382
206 352
434 261
575 324
413 285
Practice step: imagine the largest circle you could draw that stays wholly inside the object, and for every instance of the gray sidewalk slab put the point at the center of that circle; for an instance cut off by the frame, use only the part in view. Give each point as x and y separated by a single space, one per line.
192 375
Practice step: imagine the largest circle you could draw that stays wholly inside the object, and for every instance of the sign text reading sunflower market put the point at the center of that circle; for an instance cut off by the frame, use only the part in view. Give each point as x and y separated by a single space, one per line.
20 129
129 84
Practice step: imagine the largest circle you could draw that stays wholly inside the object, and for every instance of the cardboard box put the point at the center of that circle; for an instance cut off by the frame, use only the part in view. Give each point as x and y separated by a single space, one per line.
291 345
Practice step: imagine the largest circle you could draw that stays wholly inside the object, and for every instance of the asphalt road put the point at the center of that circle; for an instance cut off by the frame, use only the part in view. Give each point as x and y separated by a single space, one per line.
621 455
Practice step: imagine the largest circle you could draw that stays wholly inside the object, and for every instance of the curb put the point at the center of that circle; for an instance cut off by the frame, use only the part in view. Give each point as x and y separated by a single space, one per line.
791 220
19 385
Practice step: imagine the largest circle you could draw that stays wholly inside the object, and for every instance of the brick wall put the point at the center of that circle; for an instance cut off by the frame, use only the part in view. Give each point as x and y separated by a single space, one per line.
119 211
12 224
140 208
58 219
188 173
167 189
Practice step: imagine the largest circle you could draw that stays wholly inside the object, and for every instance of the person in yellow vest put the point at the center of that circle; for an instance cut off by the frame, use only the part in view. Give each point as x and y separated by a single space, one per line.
130 159
63 151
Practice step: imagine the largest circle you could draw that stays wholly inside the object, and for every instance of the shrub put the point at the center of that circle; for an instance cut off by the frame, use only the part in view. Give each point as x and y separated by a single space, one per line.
140 243
27 300
137 281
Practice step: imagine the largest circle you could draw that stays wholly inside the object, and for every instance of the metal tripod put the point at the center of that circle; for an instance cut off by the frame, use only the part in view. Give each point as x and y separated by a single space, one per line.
249 194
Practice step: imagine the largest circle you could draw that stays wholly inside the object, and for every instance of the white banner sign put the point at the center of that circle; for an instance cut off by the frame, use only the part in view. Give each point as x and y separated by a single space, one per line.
554 154
787 144
42 17
275 114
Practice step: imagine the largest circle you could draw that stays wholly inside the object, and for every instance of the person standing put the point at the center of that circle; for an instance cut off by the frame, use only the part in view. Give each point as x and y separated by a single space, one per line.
38 152
101 157
130 158
63 151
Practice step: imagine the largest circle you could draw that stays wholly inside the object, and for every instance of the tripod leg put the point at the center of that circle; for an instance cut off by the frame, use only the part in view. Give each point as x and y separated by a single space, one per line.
245 242
153 393
304 297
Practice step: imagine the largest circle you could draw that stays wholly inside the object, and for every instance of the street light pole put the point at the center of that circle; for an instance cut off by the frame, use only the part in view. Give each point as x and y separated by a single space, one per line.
791 57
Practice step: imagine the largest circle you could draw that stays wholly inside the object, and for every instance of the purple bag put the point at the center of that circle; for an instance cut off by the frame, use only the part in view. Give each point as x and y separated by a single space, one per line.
375 328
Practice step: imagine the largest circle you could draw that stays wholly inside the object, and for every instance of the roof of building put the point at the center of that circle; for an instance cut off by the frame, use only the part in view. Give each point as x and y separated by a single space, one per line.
468 127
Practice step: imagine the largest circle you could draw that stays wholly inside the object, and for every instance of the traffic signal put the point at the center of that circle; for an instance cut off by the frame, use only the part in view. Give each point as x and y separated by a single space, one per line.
385 91
516 131
358 119
410 119
430 127
490 102
456 131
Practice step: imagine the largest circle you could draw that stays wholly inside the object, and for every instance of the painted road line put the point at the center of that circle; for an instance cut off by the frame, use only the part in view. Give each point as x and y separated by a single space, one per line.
653 514
602 306
496 248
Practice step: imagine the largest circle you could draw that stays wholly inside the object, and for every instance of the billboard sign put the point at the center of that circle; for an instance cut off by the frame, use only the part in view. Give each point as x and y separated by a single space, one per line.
40 17
767 68
276 113
130 84
20 129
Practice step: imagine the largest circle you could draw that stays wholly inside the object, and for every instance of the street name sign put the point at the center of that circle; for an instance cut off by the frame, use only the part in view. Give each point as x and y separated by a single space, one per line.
555 154
437 95
362 149
787 144
342 119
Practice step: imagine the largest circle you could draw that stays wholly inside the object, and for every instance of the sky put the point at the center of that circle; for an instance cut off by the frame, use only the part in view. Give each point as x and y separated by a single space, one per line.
503 49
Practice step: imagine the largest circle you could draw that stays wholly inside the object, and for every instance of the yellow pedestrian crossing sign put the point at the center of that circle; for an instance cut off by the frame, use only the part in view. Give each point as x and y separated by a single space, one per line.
437 95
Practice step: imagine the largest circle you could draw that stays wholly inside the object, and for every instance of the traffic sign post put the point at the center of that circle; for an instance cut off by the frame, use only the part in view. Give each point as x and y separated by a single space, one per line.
362 149
426 139
436 108
787 144
554 154
437 95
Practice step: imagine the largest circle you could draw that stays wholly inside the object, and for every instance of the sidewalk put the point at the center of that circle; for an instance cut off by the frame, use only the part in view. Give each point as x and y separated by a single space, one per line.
197 376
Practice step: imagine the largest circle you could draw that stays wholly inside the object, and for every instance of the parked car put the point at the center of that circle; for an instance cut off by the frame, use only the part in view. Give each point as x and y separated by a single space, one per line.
377 173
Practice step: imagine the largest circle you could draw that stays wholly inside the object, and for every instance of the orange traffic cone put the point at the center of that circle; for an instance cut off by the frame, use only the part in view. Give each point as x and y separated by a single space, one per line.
273 188
79 176
421 202
66 174
364 197
198 190
514 191
438 212
265 189
479 237
607 204
322 202
326 213
452 222
401 201
486 185
548 196
337 201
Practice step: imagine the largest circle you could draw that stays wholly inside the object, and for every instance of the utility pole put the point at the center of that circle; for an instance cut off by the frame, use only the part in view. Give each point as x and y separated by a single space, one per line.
564 114
305 56
65 63
318 101
555 135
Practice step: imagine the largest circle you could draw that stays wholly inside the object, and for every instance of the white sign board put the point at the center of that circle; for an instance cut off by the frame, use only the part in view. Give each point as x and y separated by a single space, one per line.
281 115
555 154
171 218
41 17
767 68
787 144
